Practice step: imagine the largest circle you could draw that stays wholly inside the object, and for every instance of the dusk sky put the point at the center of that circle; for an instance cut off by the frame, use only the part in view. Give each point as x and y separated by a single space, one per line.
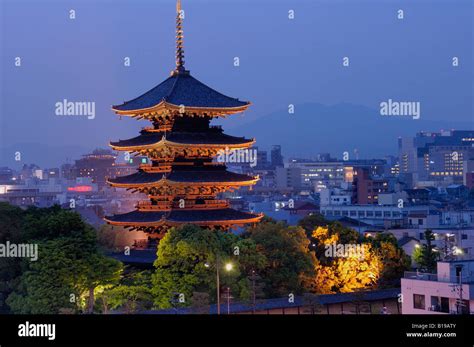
282 61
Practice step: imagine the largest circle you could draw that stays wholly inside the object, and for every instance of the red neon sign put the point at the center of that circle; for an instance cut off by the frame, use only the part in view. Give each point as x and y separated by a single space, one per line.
80 189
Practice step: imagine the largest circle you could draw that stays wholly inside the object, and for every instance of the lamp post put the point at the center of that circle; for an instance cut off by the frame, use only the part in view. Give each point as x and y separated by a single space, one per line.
228 267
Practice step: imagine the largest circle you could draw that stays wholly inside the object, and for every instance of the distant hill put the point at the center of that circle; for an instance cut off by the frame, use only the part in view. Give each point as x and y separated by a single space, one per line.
312 129
315 128
40 154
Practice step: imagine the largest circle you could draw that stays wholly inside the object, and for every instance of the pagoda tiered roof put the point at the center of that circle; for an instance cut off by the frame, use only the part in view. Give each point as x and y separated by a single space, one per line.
178 91
191 175
209 138
209 217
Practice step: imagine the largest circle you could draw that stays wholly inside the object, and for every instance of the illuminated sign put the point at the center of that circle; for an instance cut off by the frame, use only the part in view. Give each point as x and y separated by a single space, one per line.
80 189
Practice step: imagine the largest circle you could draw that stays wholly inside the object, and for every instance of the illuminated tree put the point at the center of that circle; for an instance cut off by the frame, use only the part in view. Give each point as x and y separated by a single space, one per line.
347 273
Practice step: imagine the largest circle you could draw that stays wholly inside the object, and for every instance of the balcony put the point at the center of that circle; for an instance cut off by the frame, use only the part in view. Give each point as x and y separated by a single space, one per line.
168 205
153 169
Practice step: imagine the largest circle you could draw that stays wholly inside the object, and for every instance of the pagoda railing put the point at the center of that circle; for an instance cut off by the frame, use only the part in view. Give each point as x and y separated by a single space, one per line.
151 168
189 204
161 128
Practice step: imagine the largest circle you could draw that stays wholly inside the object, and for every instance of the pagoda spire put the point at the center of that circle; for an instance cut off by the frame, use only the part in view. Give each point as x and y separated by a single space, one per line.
179 39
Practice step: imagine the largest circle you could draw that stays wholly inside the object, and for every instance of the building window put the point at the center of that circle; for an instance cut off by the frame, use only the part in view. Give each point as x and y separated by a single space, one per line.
439 304
464 236
419 301
420 221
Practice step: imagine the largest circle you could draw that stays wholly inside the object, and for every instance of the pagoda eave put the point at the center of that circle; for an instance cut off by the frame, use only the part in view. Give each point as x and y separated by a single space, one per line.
164 108
170 144
166 182
255 218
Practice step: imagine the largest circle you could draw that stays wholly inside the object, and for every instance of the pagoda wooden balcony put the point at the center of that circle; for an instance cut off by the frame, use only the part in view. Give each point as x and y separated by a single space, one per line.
151 168
189 204
161 128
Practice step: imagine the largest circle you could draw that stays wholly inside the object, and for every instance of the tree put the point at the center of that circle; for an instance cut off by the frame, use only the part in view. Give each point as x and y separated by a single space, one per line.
11 221
100 271
290 262
131 294
426 256
394 259
311 222
200 302
345 272
187 257
47 286
106 237
69 266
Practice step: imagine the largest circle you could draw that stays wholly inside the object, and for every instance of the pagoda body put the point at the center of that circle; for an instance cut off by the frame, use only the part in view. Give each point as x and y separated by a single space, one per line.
182 181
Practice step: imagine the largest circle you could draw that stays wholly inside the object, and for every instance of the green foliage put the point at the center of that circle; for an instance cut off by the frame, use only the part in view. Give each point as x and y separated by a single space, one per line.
311 222
200 303
394 259
106 236
69 265
181 264
11 220
49 223
425 256
290 263
47 285
131 294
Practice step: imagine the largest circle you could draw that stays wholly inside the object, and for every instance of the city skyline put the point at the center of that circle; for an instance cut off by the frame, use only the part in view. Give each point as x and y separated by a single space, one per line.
410 61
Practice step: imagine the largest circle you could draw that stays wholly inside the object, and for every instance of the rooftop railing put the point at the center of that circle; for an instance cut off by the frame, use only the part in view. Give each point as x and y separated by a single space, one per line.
422 276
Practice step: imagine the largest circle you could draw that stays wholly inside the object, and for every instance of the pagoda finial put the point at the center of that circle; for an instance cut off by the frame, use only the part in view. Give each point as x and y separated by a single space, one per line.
179 39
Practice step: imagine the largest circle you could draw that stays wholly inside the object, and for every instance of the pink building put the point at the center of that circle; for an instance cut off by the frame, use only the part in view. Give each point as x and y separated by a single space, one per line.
450 290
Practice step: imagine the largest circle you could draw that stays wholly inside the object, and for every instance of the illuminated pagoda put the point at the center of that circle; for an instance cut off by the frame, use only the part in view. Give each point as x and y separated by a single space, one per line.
182 181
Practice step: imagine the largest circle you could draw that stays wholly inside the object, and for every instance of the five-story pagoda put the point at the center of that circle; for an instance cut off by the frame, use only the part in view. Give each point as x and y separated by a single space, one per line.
182 181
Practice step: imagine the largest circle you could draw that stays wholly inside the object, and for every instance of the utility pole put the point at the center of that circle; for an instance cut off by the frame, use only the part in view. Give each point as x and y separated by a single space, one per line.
460 303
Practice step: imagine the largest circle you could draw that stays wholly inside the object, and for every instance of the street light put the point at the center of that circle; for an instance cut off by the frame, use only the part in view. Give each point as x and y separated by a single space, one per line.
228 267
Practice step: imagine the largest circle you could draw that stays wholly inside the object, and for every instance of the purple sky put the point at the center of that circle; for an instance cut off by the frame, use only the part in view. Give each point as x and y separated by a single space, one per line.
282 61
